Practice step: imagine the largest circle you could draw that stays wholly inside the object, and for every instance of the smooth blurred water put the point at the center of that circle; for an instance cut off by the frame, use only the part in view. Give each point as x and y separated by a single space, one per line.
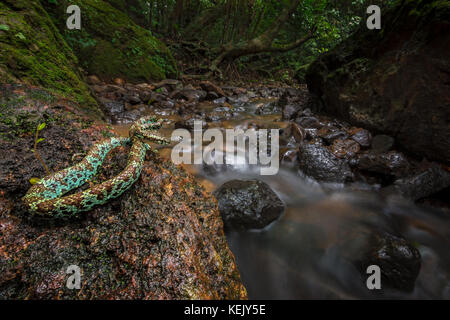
307 253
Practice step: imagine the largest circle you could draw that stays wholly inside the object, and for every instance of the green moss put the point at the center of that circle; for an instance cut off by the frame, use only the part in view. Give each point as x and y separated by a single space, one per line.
111 45
34 52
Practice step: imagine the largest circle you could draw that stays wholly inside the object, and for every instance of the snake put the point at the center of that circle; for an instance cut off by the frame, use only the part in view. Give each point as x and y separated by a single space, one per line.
48 196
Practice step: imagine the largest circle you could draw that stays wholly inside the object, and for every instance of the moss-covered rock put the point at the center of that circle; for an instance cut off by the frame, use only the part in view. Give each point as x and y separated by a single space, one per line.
162 239
394 80
111 45
33 51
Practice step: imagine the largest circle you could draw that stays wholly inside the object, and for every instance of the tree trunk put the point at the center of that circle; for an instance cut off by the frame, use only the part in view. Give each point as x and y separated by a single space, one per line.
263 42
203 21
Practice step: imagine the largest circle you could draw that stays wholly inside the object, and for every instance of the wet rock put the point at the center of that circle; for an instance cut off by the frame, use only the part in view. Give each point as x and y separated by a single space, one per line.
248 204
210 87
393 82
168 83
289 157
116 89
424 184
398 260
389 164
345 148
145 87
119 82
330 137
114 107
382 143
268 108
220 100
240 99
298 132
290 111
251 94
308 122
128 116
157 97
164 91
188 94
265 93
313 134
189 123
289 96
93 80
168 104
319 163
216 116
134 99
293 131
189 87
98 89
363 137
239 91
145 96
162 239
212 96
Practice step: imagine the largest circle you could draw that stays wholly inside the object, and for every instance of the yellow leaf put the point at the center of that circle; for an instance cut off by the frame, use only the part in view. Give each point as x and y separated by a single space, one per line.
34 180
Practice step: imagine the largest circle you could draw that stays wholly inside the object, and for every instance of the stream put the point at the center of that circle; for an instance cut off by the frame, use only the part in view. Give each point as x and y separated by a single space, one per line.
307 252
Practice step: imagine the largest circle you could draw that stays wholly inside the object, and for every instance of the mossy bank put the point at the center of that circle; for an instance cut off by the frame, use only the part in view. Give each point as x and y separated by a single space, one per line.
33 51
111 45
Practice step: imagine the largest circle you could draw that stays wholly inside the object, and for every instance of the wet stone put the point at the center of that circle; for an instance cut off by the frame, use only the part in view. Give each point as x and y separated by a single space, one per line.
398 260
345 148
308 122
319 163
290 111
248 204
334 135
114 107
423 184
392 163
363 137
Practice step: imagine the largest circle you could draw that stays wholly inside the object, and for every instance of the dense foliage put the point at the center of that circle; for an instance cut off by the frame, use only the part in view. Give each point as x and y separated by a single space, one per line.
205 27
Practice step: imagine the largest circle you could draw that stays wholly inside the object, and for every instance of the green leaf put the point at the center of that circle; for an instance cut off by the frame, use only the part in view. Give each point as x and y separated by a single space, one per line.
40 140
21 36
4 27
34 180
41 126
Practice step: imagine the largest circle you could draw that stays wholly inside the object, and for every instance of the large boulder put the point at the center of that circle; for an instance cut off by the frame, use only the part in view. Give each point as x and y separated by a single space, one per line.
33 51
248 204
162 239
398 260
394 80
318 162
110 44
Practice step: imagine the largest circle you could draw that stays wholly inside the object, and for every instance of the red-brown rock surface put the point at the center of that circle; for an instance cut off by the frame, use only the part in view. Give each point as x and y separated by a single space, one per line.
162 239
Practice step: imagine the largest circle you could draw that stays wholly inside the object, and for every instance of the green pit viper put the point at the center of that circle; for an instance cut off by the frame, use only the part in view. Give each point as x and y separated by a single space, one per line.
46 198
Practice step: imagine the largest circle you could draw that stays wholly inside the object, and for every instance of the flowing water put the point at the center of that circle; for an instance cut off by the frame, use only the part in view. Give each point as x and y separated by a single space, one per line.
307 252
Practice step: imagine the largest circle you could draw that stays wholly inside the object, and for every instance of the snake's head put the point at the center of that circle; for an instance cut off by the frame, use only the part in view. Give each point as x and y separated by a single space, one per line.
146 127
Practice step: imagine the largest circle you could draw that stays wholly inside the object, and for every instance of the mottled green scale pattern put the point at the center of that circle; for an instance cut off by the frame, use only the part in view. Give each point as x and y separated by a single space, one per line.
46 197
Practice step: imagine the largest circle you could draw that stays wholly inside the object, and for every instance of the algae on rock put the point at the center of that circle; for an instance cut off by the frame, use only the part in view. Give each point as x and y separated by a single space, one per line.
111 45
33 51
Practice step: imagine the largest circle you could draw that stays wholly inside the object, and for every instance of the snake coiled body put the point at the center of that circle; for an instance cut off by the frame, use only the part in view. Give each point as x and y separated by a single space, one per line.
46 198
